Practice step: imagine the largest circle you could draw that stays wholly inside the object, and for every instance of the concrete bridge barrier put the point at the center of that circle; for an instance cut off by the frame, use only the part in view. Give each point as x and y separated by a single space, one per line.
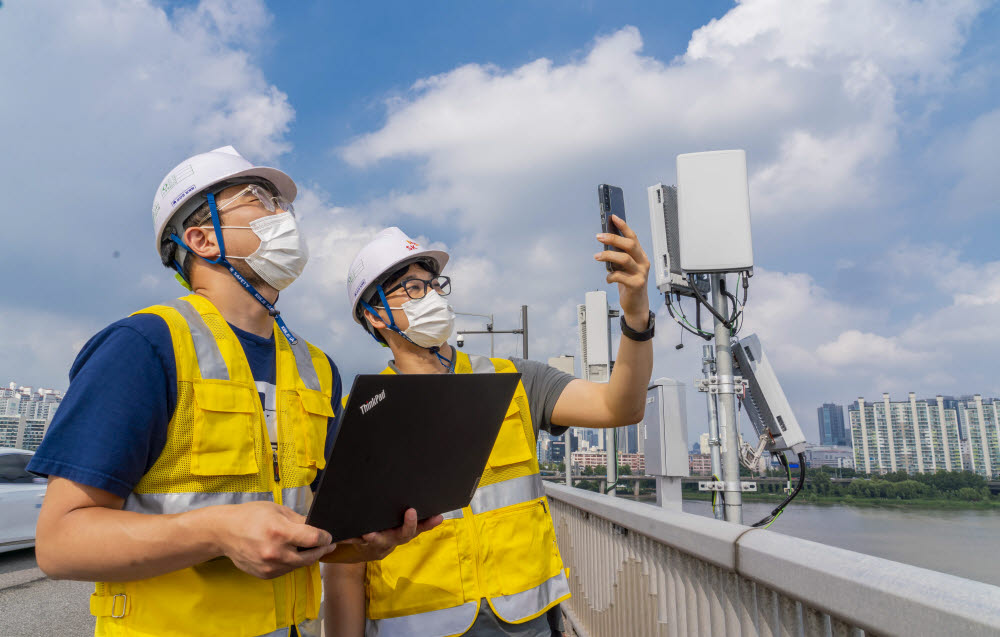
636 569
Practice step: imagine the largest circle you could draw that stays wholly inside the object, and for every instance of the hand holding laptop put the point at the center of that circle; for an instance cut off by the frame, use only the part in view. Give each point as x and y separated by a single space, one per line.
375 546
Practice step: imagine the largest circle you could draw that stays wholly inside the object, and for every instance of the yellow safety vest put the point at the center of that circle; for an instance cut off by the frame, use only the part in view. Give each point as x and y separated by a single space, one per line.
218 452
501 548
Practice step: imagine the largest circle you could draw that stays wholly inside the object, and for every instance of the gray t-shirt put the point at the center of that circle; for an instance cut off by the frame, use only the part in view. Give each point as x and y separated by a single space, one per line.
543 384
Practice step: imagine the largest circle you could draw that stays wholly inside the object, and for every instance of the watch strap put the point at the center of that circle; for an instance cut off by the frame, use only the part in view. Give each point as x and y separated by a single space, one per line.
644 335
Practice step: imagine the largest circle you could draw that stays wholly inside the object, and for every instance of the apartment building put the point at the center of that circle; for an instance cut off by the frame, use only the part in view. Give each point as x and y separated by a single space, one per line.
916 436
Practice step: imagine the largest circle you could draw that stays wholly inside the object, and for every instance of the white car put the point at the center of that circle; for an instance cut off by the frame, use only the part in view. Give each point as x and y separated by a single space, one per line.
21 495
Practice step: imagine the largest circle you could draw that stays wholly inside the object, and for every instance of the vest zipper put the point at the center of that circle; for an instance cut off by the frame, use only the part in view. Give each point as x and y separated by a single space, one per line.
475 540
277 476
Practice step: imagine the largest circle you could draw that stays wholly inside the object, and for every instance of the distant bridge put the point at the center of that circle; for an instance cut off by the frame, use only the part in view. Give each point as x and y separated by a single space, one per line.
636 481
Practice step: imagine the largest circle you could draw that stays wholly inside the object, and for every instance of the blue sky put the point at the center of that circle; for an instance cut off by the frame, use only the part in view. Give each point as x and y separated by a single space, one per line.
870 129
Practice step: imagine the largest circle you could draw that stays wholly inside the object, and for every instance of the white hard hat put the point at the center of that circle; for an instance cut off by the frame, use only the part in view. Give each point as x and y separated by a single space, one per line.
184 187
390 250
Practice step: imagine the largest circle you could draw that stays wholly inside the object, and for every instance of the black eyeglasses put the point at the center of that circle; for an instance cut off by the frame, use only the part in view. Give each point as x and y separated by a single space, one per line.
417 288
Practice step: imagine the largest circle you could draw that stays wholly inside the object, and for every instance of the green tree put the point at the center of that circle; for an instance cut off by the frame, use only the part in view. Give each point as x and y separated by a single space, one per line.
821 482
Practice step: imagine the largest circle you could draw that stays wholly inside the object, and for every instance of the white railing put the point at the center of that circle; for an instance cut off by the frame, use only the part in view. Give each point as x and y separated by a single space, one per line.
638 570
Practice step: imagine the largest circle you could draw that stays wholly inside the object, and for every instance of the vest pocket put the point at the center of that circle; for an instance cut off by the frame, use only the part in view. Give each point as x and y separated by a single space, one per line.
511 446
222 442
422 575
201 601
312 426
519 547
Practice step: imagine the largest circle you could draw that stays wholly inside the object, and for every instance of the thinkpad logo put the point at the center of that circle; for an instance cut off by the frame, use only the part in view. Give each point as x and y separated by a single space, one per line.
376 399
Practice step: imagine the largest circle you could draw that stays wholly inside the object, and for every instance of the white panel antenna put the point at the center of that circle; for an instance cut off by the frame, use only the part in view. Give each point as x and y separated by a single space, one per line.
713 212
765 402
666 258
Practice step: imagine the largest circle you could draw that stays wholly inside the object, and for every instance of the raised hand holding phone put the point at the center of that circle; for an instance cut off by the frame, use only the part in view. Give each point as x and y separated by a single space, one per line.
611 200
623 256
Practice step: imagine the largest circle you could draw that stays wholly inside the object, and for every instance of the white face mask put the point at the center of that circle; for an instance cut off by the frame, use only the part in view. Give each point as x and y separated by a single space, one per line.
431 319
282 254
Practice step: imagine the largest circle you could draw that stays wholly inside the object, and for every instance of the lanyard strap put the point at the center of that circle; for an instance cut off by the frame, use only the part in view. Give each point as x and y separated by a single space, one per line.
222 260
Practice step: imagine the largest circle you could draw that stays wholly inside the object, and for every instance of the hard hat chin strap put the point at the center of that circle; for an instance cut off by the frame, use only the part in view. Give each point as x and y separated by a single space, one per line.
221 260
436 349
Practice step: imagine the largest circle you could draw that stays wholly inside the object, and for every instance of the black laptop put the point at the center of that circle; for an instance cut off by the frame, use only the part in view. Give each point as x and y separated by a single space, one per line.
409 440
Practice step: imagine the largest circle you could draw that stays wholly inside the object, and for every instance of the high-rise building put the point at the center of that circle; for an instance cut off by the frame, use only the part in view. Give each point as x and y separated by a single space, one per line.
25 415
557 450
831 425
628 439
950 402
916 436
10 431
982 421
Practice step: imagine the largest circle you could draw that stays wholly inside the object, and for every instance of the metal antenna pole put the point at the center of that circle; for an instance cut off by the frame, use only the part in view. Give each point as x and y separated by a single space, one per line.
524 328
708 369
490 328
729 448
568 457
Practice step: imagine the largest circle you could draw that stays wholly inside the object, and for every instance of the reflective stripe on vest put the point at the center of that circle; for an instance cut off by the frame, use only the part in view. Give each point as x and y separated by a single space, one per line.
304 364
481 365
507 493
298 499
457 620
435 623
210 361
502 494
510 608
284 632
181 502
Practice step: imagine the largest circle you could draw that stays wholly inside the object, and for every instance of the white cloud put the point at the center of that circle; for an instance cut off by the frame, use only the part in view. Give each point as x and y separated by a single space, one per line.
37 343
810 89
915 40
855 349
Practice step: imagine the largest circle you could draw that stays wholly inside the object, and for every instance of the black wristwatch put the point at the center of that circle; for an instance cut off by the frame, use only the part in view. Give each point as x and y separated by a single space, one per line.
644 335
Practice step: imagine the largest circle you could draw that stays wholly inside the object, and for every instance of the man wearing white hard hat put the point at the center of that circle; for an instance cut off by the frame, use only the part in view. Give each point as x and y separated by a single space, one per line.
492 568
182 459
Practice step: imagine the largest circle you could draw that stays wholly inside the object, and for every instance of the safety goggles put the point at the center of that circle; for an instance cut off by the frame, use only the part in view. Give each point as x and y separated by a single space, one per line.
270 202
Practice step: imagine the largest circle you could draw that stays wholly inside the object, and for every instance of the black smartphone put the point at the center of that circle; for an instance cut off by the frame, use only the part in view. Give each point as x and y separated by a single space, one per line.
612 202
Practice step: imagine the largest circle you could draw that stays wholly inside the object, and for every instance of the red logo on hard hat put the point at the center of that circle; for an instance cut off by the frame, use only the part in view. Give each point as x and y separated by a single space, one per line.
410 245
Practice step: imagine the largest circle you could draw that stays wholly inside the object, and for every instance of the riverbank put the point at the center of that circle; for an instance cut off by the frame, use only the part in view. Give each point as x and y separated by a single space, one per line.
882 503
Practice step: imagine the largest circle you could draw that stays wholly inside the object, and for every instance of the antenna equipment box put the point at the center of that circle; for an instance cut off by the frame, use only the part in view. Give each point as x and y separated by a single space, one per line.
764 400
666 244
713 212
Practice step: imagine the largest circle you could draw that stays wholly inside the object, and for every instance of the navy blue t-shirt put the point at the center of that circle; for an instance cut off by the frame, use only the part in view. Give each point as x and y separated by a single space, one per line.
112 424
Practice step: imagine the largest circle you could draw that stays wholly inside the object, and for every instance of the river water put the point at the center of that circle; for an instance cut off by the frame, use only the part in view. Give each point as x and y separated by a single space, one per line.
963 543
